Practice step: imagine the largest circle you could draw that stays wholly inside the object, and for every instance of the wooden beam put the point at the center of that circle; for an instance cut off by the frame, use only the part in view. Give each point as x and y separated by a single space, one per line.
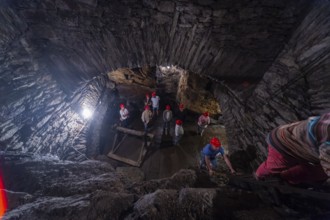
114 142
125 160
118 145
133 132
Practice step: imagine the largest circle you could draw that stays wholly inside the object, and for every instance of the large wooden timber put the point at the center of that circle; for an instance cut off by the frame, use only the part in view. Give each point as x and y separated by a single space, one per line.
129 140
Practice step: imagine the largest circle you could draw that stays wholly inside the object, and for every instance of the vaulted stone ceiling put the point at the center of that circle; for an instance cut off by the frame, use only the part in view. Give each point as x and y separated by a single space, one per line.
79 39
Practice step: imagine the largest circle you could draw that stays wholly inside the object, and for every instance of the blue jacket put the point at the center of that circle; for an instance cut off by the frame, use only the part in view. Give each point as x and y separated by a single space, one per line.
208 151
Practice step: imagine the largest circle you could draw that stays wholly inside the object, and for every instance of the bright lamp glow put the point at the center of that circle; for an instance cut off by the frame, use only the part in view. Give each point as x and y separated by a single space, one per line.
86 113
3 199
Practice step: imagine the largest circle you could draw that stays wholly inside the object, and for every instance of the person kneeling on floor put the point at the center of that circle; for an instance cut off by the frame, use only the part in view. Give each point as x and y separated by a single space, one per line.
209 156
299 153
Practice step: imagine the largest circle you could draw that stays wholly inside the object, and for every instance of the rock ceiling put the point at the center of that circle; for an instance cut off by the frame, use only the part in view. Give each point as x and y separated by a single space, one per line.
79 39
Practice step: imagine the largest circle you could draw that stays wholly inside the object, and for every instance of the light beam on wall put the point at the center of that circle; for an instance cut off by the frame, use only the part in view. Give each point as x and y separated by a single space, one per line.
86 113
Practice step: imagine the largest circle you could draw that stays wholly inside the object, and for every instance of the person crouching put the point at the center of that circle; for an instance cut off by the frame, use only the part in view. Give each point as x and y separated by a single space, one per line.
209 154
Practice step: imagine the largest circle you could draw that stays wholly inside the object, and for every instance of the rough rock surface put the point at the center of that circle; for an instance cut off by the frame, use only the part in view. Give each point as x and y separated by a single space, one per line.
293 88
41 188
51 189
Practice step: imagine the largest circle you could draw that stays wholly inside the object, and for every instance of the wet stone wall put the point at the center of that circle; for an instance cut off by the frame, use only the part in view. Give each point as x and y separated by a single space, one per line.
294 87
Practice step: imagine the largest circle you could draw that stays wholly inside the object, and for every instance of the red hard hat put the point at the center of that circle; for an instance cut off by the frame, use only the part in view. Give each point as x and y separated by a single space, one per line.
146 107
122 106
181 106
206 114
178 122
215 141
168 107
153 93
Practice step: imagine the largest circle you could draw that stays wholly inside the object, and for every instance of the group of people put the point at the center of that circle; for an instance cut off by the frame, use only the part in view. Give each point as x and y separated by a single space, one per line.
151 110
297 152
168 116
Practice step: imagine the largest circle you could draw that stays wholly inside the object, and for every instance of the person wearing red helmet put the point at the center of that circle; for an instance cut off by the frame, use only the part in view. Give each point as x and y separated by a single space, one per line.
181 113
124 114
147 100
167 118
178 132
209 156
155 103
203 121
146 117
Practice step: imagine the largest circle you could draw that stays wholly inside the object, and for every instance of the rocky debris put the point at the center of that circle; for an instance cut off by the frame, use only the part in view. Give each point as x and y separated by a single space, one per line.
181 179
94 190
135 175
276 192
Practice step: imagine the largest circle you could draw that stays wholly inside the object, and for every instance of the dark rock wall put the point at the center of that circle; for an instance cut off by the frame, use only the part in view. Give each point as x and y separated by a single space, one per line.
37 113
53 51
294 87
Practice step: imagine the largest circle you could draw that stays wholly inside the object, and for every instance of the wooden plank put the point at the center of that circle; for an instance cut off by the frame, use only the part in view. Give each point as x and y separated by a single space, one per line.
125 160
143 153
114 142
134 132
118 145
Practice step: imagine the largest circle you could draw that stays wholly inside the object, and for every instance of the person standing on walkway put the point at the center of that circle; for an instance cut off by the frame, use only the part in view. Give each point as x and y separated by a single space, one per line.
167 118
178 132
124 114
203 121
146 117
155 103
209 156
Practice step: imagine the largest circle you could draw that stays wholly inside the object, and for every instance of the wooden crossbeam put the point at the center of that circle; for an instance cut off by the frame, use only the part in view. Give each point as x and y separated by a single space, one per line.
143 145
134 132
124 159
